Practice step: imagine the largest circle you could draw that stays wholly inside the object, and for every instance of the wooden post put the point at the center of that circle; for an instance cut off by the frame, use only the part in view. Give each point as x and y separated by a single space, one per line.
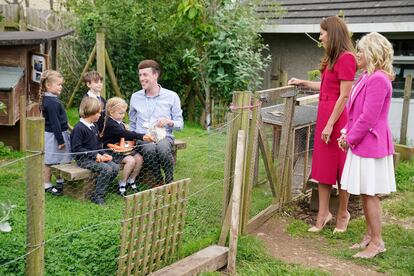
22 123
405 109
35 195
286 146
236 201
111 75
2 26
87 65
228 172
53 62
283 78
251 153
100 59
22 20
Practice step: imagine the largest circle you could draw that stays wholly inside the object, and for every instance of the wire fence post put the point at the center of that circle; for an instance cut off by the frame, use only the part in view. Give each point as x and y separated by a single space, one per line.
35 195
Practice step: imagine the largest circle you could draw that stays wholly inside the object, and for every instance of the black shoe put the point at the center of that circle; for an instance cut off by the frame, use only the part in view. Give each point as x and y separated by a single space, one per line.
133 187
98 200
122 193
54 191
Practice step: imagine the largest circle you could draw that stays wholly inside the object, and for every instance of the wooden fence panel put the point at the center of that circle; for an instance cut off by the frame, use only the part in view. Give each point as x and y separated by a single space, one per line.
152 228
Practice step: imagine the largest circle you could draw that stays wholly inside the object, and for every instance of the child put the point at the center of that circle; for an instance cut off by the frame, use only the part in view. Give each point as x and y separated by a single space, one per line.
57 143
85 141
113 130
93 81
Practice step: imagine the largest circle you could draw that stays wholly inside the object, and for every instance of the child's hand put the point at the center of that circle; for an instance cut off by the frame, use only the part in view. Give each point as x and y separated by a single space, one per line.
99 158
106 157
148 138
62 146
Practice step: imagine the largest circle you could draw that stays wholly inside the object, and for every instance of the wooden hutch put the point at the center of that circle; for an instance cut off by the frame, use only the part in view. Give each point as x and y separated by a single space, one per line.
23 56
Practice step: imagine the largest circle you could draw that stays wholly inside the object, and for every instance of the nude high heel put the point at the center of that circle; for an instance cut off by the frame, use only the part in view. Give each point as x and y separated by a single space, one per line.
315 229
339 230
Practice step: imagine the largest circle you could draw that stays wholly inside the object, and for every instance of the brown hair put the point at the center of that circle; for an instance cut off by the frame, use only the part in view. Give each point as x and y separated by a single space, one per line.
47 77
149 63
90 76
89 106
111 105
339 41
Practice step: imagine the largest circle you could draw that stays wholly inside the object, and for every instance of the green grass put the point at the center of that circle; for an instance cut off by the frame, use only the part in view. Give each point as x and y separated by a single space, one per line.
83 239
398 260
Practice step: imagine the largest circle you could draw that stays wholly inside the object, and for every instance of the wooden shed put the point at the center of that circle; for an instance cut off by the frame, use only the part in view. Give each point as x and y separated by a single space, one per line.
23 57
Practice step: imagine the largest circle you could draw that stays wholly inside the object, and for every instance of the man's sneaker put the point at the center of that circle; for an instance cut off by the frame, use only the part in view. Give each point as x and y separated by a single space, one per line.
98 200
54 191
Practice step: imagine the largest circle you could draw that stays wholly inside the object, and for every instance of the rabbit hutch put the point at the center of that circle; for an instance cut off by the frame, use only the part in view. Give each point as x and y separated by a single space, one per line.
23 58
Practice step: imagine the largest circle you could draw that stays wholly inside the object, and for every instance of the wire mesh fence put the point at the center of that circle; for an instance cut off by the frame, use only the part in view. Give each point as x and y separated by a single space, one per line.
82 237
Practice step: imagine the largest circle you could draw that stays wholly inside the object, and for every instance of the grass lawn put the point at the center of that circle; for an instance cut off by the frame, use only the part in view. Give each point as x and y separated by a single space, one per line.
398 234
83 238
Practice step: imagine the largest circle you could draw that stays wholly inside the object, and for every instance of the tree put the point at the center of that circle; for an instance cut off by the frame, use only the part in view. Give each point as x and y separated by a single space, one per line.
227 52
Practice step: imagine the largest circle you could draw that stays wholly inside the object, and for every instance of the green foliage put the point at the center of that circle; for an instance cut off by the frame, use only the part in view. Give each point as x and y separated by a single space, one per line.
3 108
314 75
4 150
227 53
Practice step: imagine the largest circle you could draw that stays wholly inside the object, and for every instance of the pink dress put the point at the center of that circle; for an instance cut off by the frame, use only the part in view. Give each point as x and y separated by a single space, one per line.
328 159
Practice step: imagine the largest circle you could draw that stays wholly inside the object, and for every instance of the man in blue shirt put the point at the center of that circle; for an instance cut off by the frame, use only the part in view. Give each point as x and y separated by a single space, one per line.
155 108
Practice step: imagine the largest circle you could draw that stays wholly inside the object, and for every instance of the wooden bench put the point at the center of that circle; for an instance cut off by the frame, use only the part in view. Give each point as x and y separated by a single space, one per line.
80 183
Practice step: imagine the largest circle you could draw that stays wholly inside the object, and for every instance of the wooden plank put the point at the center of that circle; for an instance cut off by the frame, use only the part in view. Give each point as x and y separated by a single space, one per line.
142 226
85 69
149 221
405 110
261 218
307 99
71 172
227 166
184 188
163 226
124 231
273 95
22 123
267 159
100 60
211 258
155 229
179 144
112 76
35 194
236 201
133 225
251 153
170 223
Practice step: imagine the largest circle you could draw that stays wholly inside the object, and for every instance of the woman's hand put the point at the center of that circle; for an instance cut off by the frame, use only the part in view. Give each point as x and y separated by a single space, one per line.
295 81
326 133
342 144
61 146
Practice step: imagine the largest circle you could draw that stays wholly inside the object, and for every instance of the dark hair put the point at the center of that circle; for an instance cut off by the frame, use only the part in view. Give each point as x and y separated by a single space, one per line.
89 106
339 41
90 76
149 63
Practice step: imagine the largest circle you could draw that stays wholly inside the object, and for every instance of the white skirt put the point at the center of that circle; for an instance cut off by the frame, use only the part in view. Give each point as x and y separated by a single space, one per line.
368 176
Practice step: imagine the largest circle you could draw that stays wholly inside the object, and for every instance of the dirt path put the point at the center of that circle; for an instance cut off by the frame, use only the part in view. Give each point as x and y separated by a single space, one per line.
306 252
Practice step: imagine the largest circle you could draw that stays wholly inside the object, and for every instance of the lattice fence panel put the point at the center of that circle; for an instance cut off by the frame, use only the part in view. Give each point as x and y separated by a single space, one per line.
152 228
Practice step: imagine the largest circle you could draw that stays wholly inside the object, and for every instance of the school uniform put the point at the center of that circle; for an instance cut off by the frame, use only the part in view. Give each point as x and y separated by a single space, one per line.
56 130
86 145
101 119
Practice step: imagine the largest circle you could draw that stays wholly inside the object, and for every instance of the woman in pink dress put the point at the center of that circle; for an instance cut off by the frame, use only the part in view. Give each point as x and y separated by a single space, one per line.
338 68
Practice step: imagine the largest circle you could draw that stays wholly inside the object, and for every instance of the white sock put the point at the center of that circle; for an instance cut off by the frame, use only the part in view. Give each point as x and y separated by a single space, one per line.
122 186
47 185
131 180
60 180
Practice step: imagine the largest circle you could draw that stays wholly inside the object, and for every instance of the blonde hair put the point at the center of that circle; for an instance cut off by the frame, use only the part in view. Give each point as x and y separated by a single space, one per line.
111 105
378 53
89 106
48 77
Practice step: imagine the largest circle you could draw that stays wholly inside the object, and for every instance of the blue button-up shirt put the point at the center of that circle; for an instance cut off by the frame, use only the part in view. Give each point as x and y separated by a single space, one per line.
145 111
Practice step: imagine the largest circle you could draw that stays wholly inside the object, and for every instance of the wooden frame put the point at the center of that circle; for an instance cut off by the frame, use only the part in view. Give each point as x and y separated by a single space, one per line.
38 64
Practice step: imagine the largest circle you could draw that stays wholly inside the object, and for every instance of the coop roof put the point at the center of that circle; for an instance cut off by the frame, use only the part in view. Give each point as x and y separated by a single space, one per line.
30 38
9 77
361 16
